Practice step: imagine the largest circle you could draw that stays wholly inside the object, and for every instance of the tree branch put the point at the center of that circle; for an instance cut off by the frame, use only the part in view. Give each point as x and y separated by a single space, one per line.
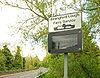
16 5
29 8
92 9
34 11
42 13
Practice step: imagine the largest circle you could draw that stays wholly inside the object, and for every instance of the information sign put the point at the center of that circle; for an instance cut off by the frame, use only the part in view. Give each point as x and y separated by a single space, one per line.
66 22
65 33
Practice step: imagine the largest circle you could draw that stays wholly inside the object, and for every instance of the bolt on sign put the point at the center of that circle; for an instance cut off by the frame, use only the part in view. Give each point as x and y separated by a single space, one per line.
65 33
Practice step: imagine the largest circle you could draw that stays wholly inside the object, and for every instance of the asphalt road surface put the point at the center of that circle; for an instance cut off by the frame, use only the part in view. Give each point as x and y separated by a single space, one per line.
26 74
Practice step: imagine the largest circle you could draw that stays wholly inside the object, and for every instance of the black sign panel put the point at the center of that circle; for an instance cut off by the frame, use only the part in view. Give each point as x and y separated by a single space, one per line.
65 41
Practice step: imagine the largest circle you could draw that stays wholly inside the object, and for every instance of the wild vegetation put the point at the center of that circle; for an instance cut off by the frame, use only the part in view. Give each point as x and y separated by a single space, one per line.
85 64
13 61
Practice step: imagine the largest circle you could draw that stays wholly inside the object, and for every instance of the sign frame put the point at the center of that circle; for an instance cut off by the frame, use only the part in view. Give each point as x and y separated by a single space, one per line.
69 49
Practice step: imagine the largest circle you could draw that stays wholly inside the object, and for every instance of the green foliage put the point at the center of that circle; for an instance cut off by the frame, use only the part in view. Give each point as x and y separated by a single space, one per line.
8 57
83 66
45 61
2 61
32 62
41 36
93 9
54 62
8 61
18 59
36 62
29 62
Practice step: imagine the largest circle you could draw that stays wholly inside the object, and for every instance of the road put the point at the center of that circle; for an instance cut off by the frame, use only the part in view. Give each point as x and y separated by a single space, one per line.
26 74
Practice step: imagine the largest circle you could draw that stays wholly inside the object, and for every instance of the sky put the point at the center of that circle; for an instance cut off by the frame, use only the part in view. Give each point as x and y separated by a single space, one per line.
8 17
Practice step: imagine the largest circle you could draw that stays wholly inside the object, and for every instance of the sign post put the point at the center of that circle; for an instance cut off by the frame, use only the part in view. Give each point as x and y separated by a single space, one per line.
65 65
65 35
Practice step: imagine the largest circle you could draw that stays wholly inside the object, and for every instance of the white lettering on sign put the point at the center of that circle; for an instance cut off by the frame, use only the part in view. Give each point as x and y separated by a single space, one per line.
65 22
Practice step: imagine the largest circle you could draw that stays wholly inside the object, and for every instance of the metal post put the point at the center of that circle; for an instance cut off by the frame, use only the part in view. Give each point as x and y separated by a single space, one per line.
65 65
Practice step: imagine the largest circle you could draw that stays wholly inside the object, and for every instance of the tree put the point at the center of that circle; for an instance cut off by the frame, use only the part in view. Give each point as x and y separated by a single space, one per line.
32 62
24 61
18 59
29 62
8 57
2 61
45 61
92 8
56 66
36 62
86 63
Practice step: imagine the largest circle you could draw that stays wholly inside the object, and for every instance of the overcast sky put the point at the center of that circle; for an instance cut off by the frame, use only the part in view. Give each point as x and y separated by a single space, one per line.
8 17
